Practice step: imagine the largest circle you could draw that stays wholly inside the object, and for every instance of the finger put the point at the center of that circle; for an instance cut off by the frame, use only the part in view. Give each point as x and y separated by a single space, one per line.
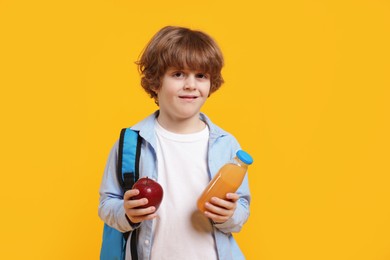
215 217
133 204
216 210
229 205
138 219
137 212
130 193
232 196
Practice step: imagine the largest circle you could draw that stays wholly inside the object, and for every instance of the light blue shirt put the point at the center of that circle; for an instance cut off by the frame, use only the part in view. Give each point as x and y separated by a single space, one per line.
222 147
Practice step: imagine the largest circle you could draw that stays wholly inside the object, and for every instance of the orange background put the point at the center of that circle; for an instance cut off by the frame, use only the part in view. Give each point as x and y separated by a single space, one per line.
306 93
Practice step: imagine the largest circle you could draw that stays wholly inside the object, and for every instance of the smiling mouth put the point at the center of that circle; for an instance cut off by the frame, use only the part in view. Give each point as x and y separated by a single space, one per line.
188 97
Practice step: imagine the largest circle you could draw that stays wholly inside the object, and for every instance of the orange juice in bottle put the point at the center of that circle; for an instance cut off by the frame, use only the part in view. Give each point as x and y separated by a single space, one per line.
227 180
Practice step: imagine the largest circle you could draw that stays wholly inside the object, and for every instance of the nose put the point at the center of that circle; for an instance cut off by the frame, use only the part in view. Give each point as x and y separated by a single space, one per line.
190 82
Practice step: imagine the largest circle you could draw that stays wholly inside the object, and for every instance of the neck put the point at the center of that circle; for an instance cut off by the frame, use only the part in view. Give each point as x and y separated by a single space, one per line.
181 126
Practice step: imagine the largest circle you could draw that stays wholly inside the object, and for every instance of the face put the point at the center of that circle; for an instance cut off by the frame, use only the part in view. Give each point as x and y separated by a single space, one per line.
182 94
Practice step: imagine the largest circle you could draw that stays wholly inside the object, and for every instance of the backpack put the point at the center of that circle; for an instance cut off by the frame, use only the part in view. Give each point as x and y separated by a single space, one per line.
114 242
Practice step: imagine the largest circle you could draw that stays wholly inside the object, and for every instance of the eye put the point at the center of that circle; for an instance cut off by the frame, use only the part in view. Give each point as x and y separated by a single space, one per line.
202 76
178 74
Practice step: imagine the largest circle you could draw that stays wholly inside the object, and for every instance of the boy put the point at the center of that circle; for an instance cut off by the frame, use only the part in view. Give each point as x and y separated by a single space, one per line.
182 149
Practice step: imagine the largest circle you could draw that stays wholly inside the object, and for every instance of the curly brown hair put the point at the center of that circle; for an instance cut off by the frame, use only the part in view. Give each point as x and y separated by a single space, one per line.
179 47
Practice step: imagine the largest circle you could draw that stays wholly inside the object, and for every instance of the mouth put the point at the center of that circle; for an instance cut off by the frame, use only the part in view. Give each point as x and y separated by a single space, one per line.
188 97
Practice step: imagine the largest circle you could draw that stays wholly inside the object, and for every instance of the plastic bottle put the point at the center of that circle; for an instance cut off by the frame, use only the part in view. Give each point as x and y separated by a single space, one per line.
227 180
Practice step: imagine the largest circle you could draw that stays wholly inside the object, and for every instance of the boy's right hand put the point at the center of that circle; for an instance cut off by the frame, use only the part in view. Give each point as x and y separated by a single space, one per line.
137 215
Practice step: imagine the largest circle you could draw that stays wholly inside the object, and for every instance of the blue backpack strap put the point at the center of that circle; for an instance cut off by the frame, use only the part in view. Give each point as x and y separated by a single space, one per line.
114 242
129 172
128 158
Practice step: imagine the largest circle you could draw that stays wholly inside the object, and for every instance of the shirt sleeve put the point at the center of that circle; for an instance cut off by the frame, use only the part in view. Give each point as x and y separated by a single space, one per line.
111 209
241 214
236 222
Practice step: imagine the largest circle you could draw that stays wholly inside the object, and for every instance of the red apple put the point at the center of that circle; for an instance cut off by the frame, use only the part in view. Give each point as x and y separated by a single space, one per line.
149 189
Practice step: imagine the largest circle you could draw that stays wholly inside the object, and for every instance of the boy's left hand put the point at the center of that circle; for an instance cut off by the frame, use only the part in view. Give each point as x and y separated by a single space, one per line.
220 210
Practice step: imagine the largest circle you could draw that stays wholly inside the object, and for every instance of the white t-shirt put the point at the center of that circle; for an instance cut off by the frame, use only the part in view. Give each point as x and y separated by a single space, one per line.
180 230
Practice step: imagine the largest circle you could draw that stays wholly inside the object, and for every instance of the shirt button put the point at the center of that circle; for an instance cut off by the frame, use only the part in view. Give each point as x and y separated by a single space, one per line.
146 242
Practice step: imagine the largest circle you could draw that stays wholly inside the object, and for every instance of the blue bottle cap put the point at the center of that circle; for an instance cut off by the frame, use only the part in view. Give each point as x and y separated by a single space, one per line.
244 157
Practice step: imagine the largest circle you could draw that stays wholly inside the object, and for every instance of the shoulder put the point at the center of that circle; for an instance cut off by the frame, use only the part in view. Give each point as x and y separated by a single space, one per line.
215 129
221 139
146 126
146 123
